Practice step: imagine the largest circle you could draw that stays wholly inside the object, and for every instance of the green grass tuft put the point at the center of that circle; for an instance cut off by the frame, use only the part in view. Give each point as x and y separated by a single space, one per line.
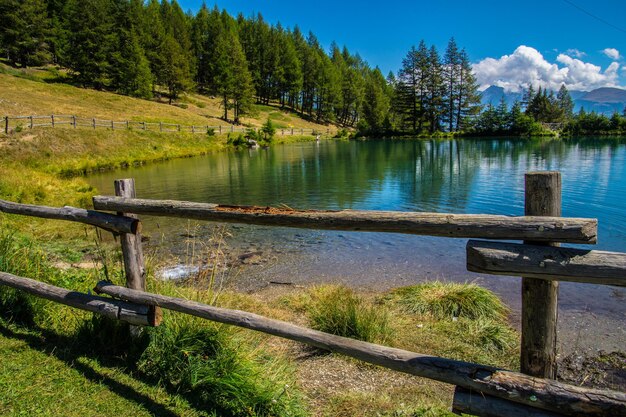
206 363
445 300
337 310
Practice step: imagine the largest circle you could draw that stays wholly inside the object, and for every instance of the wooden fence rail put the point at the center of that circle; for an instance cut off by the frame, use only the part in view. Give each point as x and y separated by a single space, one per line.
57 120
512 386
118 224
136 314
548 263
559 229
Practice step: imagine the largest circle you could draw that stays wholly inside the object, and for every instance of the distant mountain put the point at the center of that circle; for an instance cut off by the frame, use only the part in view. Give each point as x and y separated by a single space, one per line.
605 100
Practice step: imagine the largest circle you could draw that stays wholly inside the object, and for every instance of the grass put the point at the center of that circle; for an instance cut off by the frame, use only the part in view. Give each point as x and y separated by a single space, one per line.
208 368
338 310
444 300
29 92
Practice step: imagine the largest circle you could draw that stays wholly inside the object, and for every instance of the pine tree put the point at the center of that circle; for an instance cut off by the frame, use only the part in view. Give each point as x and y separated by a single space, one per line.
407 92
376 103
565 102
434 91
25 32
468 106
451 74
90 41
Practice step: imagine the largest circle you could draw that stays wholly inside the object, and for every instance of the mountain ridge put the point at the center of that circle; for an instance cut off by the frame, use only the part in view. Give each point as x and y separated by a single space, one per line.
606 100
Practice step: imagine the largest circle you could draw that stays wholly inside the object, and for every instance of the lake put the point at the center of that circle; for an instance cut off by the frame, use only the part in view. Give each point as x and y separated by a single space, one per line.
450 176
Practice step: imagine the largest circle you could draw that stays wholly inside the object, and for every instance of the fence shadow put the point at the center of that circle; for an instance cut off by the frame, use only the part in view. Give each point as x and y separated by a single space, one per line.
86 343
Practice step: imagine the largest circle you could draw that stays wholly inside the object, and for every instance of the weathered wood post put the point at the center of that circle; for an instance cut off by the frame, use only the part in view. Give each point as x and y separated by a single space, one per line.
131 244
127 125
74 121
161 126
193 129
93 122
179 128
220 128
31 121
6 124
52 119
539 297
112 125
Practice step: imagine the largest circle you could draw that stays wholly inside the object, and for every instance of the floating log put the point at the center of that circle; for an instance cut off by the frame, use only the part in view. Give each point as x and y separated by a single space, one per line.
547 263
435 224
118 224
478 404
524 389
136 314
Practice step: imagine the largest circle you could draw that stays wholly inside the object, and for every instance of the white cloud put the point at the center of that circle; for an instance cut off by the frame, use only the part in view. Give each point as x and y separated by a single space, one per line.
611 53
526 66
575 53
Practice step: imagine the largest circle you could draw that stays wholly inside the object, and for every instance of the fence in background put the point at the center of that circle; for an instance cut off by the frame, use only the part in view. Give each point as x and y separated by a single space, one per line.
13 123
480 389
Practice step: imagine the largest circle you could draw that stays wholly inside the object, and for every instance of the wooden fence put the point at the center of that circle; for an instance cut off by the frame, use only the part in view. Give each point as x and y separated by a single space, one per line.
13 123
480 389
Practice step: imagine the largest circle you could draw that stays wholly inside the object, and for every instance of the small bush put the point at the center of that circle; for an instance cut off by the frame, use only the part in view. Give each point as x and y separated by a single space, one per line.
447 299
210 132
337 310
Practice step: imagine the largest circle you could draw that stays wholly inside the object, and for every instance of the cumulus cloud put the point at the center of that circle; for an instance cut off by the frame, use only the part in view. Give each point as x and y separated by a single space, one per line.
527 66
611 53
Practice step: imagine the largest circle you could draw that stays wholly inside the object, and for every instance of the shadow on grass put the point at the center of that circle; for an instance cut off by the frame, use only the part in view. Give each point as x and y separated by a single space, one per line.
70 349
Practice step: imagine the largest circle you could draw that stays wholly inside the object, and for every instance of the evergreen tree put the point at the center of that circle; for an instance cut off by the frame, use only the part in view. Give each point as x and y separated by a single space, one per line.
90 41
451 75
434 91
408 87
468 106
376 103
175 72
565 102
25 32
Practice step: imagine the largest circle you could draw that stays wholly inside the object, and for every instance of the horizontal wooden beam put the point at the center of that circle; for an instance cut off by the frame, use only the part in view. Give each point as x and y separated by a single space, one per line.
118 224
478 404
535 392
449 225
137 314
549 263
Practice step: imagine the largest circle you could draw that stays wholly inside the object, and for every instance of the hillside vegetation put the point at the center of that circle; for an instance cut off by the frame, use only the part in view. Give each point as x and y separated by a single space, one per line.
32 92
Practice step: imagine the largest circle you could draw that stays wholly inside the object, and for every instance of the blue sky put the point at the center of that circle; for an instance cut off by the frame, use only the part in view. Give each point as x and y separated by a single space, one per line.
579 42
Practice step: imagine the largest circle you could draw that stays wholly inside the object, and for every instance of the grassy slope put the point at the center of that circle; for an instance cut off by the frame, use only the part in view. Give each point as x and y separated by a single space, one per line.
23 97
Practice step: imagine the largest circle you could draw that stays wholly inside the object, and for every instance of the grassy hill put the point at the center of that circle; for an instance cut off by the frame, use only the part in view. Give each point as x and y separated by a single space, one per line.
35 92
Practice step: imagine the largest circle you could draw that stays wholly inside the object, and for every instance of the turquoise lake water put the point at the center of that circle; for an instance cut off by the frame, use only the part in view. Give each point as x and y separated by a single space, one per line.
451 176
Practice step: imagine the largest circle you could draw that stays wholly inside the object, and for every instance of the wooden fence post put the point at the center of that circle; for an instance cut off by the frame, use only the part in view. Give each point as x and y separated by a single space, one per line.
220 128
31 121
52 119
6 124
112 125
74 121
131 244
539 297
93 122
161 126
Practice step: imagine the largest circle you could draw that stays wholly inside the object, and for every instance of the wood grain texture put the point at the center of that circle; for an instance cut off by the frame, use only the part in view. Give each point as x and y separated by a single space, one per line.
136 314
478 404
131 243
547 263
512 386
118 224
540 297
573 230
